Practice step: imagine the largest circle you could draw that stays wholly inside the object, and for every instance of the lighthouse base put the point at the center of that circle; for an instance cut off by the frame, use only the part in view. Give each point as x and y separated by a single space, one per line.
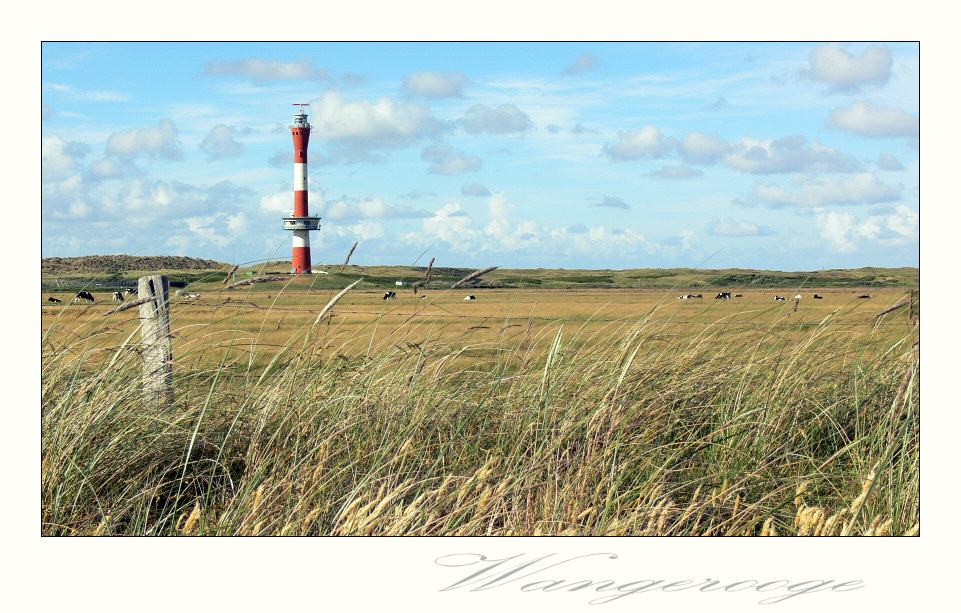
300 264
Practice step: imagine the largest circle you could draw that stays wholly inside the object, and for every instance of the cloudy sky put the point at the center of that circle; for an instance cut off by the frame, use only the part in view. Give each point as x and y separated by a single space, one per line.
786 156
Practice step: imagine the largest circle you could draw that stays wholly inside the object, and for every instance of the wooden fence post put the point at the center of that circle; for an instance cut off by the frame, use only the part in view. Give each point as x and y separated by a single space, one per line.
155 339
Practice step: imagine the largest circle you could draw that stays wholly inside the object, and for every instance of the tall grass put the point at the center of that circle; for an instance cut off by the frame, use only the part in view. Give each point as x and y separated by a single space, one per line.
644 428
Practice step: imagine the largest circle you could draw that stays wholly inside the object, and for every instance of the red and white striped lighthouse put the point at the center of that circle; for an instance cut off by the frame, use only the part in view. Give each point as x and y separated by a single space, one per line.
300 221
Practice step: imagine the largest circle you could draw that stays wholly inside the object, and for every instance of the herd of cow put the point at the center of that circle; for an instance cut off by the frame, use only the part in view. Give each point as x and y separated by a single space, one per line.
123 295
85 295
389 295
727 296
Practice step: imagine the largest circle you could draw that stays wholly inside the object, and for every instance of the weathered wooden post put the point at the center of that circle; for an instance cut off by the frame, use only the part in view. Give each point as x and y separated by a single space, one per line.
155 339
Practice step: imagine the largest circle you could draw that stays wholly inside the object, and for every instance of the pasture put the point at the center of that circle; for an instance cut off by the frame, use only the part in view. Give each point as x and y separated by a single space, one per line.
584 412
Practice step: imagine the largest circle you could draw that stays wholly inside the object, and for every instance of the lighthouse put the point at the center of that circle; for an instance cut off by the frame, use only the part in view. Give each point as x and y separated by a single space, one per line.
299 221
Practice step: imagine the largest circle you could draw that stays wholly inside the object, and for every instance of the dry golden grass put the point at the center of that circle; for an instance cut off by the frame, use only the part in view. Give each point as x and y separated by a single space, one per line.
520 413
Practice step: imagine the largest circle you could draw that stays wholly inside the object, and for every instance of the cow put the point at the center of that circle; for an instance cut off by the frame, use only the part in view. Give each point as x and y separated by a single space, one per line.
129 292
864 296
469 298
85 295
118 296
738 296
689 296
798 297
390 295
780 298
723 296
192 296
54 300
816 297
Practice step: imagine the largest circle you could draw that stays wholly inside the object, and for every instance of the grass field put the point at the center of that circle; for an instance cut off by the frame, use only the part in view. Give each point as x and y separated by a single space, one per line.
525 411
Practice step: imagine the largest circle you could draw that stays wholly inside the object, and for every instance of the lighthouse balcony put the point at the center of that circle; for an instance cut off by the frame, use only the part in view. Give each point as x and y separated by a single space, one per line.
302 223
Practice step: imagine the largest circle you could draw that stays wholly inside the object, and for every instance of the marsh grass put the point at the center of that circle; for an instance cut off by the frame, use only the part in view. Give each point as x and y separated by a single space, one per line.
384 424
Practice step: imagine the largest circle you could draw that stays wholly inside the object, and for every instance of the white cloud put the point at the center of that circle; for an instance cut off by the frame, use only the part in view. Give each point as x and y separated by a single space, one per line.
362 126
505 234
886 161
219 143
368 208
89 95
845 233
435 84
145 199
505 119
732 228
283 201
475 189
647 142
676 172
498 206
584 63
451 225
700 148
444 161
106 168
866 119
686 240
59 158
862 188
613 202
260 69
362 230
160 140
788 154
843 72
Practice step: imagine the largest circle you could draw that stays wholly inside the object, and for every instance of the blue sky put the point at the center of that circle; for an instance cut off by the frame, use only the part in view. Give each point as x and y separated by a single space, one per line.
786 156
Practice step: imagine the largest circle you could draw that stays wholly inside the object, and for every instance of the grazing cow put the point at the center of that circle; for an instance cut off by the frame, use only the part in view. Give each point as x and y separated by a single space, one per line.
689 296
816 297
469 298
118 296
864 296
780 298
723 296
54 300
129 292
390 295
85 295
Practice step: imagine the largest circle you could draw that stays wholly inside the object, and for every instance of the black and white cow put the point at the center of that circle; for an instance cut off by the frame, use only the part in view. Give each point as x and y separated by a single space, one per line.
85 295
118 296
780 298
469 298
129 292
689 296
723 296
390 295
54 300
